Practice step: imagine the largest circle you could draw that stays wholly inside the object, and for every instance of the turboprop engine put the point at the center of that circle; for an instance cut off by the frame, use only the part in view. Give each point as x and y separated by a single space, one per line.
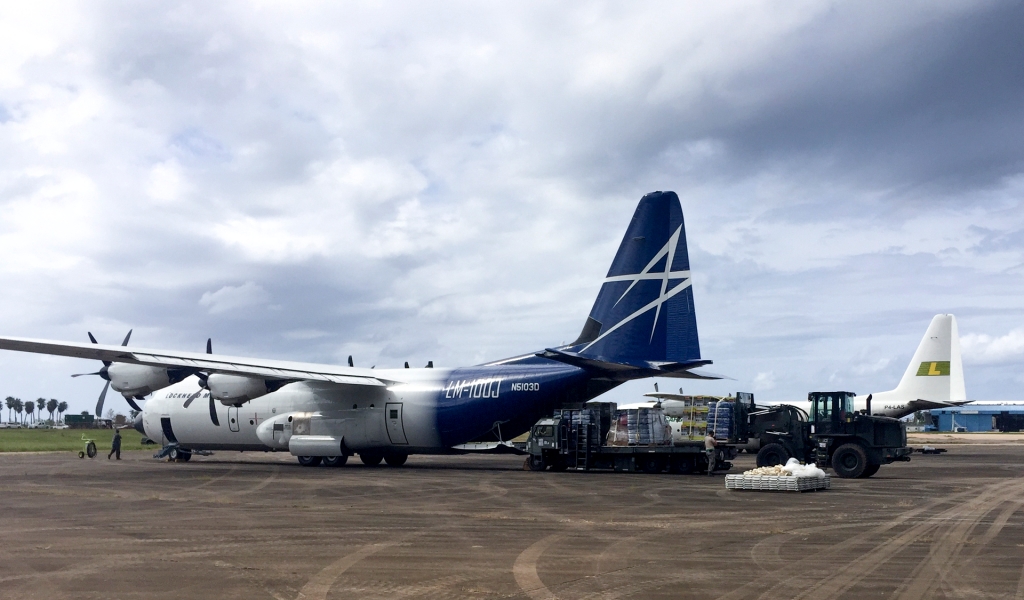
135 381
234 390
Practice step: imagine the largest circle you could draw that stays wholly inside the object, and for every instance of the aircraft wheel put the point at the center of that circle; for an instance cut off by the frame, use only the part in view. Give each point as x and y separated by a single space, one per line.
536 463
335 461
396 460
309 461
771 455
90 449
849 461
370 459
184 456
869 471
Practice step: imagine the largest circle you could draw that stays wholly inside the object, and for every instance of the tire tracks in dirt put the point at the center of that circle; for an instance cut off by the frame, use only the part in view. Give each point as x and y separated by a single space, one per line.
843 579
947 547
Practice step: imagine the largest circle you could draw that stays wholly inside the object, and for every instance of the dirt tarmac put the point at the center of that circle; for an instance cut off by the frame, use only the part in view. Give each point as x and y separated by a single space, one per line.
260 526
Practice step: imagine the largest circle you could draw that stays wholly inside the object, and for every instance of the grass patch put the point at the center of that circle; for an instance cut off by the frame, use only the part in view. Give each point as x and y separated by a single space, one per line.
70 440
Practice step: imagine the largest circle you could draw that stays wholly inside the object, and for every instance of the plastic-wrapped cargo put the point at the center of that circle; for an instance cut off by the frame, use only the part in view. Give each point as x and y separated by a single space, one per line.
618 433
640 427
720 423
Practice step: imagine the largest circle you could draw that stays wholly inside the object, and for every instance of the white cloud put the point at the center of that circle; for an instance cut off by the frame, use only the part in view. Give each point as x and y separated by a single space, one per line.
234 298
979 348
455 182
764 381
869 367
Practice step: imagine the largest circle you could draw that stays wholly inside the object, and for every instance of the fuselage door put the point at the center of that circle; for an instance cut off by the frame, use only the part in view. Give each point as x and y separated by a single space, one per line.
233 418
393 415
165 427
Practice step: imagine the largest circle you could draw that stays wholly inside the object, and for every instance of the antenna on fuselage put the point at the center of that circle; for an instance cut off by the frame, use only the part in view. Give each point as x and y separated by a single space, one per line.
350 363
430 364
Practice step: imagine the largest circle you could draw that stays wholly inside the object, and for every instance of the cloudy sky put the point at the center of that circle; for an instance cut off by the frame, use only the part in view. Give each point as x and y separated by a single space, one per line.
415 181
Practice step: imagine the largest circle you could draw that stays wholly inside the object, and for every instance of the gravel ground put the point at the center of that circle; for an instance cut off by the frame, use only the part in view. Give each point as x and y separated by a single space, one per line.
260 526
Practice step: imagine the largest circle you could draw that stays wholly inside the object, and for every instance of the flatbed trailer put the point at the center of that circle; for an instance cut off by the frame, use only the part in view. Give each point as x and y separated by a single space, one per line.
577 440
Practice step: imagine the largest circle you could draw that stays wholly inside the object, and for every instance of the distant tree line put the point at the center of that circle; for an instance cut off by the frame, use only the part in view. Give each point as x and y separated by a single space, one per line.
32 409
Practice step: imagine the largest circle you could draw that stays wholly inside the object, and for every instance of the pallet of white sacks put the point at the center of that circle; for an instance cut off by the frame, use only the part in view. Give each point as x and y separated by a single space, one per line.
777 483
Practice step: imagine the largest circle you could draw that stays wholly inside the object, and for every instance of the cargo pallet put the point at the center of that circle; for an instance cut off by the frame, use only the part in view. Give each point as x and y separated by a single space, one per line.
777 483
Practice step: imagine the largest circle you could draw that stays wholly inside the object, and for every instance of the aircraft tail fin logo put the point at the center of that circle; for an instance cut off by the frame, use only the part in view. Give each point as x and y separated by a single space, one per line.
644 311
933 368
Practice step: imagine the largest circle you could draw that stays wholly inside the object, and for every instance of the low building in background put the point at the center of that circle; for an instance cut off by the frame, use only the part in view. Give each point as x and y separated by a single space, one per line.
980 417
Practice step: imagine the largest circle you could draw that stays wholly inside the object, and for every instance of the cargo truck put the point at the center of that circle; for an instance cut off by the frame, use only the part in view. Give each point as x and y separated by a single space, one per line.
833 435
593 438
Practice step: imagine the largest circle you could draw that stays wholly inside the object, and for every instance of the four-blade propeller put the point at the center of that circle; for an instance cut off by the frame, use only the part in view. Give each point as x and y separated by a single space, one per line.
104 373
203 386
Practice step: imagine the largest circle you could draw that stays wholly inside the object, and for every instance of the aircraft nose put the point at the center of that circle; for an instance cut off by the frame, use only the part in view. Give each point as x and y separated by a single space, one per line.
138 424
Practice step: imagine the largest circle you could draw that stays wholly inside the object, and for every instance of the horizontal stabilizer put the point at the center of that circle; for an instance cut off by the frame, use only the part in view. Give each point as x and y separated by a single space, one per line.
627 371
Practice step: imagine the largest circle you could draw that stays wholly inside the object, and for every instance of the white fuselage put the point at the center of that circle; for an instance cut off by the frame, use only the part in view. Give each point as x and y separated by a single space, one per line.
358 416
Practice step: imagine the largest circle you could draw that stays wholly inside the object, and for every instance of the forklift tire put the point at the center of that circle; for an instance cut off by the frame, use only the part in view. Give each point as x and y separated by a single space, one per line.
536 463
871 470
849 461
772 454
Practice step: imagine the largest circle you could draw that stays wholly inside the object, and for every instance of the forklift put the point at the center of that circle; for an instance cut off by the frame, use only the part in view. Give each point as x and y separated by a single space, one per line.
833 435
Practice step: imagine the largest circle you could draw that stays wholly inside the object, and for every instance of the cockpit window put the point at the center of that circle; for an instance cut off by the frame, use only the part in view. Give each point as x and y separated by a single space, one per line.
544 431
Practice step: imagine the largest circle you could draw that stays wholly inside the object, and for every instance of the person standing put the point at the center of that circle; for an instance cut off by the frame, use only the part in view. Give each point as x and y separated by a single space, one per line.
115 445
709 448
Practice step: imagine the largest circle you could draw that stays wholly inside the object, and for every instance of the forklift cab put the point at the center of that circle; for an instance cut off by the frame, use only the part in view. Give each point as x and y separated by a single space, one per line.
830 411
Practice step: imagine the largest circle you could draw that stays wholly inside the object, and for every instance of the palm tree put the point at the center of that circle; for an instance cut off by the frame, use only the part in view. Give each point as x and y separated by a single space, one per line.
18 407
30 408
10 407
51 406
40 406
61 408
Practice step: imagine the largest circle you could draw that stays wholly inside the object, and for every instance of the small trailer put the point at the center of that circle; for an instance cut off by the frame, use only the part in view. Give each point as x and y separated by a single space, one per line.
578 439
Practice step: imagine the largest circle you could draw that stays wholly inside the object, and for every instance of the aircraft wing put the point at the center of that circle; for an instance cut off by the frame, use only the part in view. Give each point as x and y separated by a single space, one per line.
210 363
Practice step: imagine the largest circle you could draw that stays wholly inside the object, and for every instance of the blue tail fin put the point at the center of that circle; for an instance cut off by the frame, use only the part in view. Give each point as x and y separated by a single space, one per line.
644 312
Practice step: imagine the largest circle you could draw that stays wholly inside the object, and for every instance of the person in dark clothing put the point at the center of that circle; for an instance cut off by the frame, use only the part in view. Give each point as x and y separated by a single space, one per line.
115 445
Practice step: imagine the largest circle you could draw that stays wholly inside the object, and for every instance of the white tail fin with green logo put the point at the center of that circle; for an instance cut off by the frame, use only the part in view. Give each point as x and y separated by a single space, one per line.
936 372
933 379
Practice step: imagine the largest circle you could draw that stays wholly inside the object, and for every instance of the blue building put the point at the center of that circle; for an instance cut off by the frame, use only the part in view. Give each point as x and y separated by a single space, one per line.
980 417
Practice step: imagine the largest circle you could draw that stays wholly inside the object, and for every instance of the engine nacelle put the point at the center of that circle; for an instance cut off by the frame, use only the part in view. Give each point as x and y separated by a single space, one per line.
136 380
235 389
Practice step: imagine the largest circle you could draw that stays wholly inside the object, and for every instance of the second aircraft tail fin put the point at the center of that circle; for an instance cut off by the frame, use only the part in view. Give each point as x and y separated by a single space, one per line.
936 372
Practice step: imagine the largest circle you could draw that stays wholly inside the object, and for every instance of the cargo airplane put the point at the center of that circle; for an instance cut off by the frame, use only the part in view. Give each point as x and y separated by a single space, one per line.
643 324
